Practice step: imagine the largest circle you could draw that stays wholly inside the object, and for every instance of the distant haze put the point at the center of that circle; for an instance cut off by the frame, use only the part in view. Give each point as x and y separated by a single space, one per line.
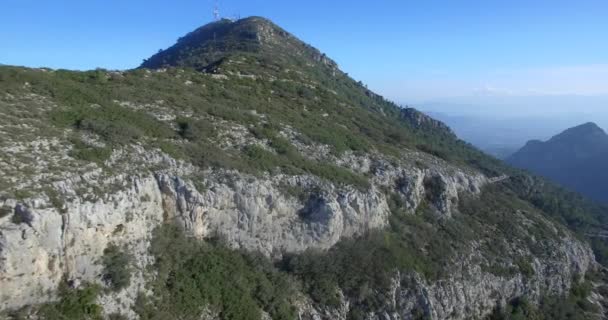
502 124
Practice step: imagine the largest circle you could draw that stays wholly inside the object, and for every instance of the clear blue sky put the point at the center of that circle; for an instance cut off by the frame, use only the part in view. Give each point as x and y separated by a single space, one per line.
405 49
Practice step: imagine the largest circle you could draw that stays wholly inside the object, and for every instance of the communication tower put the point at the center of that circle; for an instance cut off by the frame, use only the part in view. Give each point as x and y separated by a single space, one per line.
216 11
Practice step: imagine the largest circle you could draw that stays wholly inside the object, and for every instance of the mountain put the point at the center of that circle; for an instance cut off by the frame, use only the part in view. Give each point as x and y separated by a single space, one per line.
501 135
207 46
240 174
576 158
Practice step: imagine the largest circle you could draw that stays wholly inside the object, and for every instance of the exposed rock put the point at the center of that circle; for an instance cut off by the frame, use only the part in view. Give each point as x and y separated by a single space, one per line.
420 120
250 213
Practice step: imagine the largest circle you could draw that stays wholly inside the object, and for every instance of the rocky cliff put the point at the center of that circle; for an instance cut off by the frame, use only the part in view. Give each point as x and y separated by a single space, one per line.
42 244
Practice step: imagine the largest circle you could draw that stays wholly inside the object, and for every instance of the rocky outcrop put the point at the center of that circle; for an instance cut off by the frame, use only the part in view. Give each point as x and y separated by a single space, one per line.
43 240
36 255
419 120
257 215
469 292
41 243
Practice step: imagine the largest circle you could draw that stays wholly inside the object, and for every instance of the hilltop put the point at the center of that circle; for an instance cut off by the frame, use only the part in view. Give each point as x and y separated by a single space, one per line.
210 45
240 174
576 158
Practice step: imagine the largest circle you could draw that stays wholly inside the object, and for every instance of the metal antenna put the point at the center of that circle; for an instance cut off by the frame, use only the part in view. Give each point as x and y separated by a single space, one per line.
216 11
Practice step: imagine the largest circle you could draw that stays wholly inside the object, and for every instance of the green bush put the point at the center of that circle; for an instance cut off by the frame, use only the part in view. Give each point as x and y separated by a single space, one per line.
85 152
74 304
192 276
115 124
410 244
191 129
5 211
574 306
116 267
117 316
525 267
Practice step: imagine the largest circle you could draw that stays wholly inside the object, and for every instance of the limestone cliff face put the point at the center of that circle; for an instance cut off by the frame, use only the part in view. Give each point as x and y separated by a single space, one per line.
37 253
40 243
257 215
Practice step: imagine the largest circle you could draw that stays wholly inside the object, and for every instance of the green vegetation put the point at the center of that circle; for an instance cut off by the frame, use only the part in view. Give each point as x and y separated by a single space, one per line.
74 304
194 277
115 124
89 105
581 215
116 267
288 158
574 306
191 129
55 198
5 211
190 272
89 153
422 243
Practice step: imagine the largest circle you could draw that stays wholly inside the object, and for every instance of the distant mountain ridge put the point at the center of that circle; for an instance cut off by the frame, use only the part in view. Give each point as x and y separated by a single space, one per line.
576 158
501 136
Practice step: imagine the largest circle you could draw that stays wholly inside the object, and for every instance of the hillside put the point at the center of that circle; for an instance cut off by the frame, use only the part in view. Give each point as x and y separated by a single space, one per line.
576 158
241 175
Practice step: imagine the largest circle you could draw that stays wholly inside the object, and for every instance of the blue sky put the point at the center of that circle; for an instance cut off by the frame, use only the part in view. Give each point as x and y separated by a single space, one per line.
408 50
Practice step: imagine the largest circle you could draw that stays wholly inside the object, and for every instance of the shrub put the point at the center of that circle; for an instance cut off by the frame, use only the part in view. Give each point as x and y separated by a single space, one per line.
5 211
74 304
116 267
115 124
525 267
574 306
192 276
92 154
191 129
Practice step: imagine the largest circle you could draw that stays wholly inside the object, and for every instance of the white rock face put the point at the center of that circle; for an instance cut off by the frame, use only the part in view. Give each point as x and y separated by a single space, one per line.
35 255
250 213
256 215
253 213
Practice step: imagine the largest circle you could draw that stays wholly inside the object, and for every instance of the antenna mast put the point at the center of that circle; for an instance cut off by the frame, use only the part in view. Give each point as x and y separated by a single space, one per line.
216 11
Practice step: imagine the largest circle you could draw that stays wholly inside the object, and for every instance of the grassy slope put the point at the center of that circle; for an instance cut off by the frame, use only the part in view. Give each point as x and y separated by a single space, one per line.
363 130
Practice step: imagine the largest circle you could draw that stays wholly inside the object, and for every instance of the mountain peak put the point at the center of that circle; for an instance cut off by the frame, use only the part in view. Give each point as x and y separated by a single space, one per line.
586 128
585 132
211 43
576 158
